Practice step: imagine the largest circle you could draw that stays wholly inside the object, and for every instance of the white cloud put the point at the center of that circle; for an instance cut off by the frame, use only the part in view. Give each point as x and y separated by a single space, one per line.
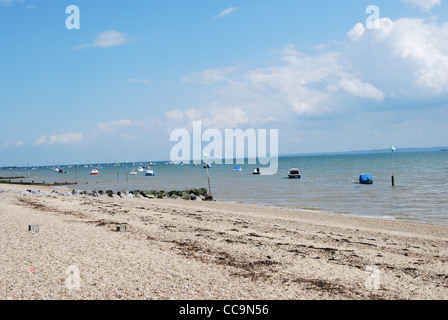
360 89
356 32
64 139
6 2
175 115
113 126
213 116
17 144
208 76
406 54
300 86
107 39
424 5
226 12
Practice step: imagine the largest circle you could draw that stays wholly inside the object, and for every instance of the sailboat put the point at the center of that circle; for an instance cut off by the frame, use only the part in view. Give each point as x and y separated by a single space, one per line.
133 172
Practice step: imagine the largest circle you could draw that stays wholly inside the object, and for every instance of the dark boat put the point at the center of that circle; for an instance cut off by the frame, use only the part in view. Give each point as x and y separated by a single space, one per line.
294 173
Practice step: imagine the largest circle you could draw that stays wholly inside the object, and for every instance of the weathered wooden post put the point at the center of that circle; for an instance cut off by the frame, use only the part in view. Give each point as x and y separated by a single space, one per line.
208 175
393 166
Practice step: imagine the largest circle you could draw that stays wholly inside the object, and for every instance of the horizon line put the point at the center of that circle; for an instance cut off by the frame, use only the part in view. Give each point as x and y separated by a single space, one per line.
404 149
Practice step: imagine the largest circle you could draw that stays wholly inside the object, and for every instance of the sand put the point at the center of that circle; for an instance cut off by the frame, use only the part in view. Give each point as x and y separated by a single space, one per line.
193 250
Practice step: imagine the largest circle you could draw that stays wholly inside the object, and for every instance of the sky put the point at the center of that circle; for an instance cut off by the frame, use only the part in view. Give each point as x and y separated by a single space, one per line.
328 75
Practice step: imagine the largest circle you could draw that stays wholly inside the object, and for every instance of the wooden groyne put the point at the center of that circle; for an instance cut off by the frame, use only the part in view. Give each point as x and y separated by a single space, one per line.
11 178
34 183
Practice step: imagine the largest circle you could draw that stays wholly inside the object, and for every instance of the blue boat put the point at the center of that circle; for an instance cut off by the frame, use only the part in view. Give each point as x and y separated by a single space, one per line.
366 178
149 173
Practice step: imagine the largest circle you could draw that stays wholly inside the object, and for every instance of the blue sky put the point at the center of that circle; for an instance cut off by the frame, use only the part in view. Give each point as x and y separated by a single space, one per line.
134 71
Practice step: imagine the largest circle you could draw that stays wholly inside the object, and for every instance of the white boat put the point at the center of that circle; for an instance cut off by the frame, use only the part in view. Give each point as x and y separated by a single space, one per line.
133 173
294 173
94 172
140 169
149 173
256 171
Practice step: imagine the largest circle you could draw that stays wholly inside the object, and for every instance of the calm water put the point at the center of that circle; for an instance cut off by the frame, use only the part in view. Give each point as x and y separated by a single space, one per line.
420 193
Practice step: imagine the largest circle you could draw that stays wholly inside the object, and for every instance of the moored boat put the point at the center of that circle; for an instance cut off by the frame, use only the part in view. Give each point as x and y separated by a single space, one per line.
149 173
366 178
94 172
294 173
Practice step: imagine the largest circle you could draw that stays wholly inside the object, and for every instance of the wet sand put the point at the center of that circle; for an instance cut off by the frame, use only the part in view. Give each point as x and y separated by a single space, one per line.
189 250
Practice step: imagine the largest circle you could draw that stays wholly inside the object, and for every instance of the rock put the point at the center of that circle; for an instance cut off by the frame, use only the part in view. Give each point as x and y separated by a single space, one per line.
186 196
58 193
110 193
208 197
162 195
126 195
176 193
38 192
193 196
94 193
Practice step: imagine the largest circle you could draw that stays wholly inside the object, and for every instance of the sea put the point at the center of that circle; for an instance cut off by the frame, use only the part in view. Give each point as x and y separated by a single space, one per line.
329 183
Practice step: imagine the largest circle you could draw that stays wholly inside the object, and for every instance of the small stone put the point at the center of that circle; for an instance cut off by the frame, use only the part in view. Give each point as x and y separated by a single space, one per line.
33 228
122 228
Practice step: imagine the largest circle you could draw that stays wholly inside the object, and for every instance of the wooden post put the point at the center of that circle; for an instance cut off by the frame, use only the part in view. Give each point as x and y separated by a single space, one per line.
393 166
208 175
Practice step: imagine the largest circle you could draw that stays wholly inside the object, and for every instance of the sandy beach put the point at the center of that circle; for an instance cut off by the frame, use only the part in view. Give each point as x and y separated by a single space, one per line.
178 249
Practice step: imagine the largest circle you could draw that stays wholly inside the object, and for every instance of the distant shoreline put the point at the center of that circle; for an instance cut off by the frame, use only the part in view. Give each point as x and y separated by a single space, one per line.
372 151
